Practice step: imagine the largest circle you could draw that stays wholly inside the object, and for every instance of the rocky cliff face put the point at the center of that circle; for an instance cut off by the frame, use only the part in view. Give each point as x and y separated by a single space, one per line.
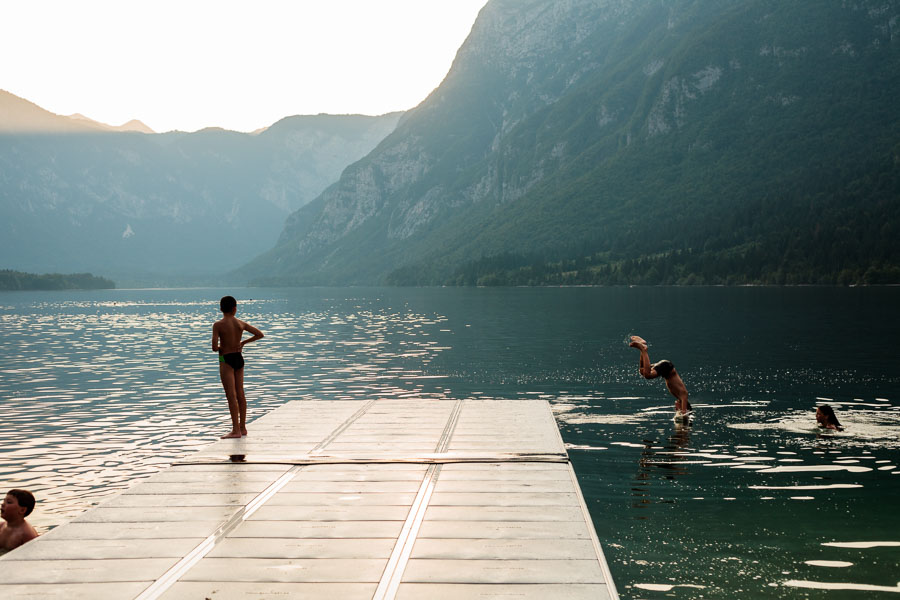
160 208
449 151
558 118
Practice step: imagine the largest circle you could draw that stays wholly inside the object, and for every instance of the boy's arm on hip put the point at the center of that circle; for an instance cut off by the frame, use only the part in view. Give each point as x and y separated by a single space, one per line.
253 330
257 334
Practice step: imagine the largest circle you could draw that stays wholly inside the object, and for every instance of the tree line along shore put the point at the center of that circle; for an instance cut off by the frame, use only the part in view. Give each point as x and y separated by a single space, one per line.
17 281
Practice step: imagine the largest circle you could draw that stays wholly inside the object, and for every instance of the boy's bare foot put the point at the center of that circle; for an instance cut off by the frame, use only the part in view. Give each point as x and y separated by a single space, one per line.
638 342
230 435
243 431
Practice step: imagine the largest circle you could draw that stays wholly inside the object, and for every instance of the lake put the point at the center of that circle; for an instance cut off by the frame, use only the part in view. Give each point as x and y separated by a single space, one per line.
750 500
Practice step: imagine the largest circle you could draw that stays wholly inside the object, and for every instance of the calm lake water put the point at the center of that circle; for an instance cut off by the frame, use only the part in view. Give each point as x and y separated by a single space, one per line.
749 501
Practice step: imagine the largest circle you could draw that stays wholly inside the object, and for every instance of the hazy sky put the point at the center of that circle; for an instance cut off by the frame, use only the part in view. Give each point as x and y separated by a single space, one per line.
189 64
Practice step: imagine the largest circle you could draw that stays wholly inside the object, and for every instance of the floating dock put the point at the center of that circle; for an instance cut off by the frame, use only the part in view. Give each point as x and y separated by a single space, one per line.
406 499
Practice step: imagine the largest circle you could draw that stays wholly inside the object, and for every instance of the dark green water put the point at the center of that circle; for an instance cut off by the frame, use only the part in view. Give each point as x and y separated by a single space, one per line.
748 501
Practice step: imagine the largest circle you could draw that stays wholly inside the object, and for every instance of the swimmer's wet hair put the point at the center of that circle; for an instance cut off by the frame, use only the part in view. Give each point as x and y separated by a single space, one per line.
227 304
830 417
24 498
664 368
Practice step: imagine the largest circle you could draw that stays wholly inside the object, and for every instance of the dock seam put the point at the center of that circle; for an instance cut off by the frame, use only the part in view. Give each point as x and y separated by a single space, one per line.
396 566
174 573
342 427
393 572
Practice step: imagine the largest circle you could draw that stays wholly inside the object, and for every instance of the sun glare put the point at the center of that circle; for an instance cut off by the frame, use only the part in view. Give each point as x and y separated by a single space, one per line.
189 65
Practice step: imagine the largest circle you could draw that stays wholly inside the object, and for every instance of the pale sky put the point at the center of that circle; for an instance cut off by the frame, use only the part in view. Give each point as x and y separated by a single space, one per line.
242 65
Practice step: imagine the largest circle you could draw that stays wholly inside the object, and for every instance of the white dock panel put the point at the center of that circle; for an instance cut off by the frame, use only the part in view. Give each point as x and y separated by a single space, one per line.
378 500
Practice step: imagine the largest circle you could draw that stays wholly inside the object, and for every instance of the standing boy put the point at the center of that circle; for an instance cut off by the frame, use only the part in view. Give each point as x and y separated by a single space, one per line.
226 340
14 529
666 370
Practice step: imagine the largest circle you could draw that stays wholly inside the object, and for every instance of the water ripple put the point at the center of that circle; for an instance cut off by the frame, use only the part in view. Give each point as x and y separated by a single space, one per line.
98 394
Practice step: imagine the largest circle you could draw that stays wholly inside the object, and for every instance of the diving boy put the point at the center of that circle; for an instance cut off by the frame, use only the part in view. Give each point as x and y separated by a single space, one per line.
226 340
666 370
14 529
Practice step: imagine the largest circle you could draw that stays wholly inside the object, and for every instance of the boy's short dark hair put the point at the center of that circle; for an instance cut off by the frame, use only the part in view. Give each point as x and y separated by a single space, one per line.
24 498
227 304
664 368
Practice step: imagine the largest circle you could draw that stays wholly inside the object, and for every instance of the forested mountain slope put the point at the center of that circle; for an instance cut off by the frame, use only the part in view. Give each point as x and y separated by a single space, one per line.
625 141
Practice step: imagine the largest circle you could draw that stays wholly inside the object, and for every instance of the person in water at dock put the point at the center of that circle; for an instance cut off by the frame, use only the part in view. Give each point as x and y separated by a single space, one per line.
226 340
666 370
14 529
826 418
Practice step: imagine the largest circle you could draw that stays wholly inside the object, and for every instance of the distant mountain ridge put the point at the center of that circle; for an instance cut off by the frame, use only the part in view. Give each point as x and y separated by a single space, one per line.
623 141
20 116
160 209
132 125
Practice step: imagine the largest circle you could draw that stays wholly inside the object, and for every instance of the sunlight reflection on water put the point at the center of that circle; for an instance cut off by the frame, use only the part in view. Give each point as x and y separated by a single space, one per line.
98 394
768 459
102 389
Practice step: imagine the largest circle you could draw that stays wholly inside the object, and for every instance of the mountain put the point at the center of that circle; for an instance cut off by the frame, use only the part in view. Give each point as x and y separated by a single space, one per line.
626 141
19 116
160 209
132 125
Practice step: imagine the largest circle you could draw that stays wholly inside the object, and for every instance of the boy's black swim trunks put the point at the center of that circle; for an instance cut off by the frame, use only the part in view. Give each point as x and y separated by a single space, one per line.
233 359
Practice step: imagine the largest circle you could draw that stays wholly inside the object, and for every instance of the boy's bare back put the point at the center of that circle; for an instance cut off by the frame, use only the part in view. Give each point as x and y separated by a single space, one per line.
677 388
227 334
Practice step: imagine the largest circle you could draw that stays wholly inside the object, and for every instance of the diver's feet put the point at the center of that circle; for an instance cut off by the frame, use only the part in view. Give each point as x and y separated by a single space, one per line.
638 342
231 435
243 431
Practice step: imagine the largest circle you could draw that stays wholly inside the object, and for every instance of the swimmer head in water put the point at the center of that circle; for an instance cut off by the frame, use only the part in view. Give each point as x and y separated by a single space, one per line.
826 418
